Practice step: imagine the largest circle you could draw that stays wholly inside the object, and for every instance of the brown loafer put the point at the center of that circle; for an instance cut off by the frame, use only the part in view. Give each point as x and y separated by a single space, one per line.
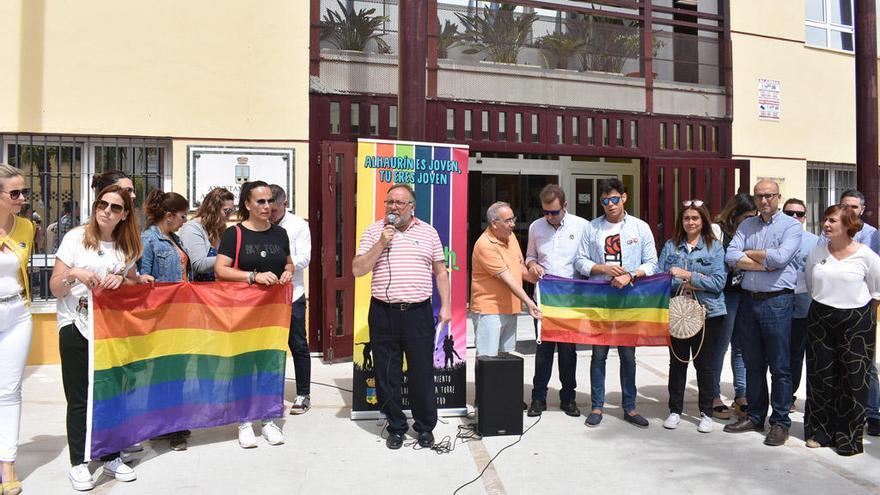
743 424
777 436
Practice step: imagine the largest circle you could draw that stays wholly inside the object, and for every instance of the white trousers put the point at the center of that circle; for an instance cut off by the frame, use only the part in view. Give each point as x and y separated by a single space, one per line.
15 342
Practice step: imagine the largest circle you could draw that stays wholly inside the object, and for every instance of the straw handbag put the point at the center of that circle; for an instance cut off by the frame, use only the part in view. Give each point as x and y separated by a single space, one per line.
686 317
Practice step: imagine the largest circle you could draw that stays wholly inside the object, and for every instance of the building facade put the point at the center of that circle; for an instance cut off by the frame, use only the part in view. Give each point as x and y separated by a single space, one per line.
560 91
150 88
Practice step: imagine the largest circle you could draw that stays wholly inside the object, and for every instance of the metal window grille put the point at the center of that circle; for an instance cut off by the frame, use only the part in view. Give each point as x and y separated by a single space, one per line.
825 183
59 171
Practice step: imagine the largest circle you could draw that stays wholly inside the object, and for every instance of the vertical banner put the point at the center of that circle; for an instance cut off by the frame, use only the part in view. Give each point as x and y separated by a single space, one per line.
438 174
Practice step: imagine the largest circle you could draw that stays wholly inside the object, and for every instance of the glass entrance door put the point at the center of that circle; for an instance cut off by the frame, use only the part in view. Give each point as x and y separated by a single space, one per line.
583 196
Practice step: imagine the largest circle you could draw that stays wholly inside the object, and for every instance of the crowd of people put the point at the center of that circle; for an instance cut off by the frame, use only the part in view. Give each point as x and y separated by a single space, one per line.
774 296
268 246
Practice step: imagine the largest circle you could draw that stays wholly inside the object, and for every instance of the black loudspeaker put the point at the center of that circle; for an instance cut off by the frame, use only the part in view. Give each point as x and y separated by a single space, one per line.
499 395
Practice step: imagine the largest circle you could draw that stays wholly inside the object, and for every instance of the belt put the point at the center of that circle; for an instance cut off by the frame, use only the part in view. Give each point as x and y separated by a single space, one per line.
767 295
402 306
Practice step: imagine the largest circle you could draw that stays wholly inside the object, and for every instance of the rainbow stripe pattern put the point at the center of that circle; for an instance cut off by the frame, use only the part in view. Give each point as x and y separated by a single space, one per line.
594 312
184 356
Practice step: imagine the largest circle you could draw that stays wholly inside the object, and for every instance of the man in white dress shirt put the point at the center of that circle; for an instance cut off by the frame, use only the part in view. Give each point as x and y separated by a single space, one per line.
553 242
300 253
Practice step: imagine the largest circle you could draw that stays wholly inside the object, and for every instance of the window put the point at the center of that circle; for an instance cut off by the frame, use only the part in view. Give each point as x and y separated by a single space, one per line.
392 120
468 130
535 134
517 126
59 170
825 183
450 123
662 135
354 126
829 24
374 120
502 126
484 123
576 130
334 117
560 131
633 134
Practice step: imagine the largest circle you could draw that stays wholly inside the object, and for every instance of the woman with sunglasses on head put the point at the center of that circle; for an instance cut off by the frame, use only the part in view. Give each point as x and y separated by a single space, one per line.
843 278
99 254
737 209
695 259
16 243
201 235
164 259
261 257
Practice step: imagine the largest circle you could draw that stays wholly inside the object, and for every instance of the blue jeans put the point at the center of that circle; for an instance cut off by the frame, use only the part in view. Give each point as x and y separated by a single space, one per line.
544 368
873 411
627 376
763 328
727 339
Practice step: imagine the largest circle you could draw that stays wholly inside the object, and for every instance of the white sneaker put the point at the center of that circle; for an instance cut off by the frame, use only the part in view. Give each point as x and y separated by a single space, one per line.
119 470
706 424
138 447
672 421
272 433
301 405
80 478
246 438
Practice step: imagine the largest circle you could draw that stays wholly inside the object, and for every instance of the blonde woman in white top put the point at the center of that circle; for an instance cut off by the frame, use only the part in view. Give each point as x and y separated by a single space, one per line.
16 242
843 278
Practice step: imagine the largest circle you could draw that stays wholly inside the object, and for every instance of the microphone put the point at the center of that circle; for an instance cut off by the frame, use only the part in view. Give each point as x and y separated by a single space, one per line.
392 219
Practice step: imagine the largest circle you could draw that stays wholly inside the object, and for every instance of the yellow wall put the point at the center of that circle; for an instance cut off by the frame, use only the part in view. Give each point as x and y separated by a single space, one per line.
44 342
199 68
817 94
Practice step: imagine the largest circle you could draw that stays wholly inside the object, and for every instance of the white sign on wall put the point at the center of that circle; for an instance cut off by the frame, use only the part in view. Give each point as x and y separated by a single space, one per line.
769 99
217 166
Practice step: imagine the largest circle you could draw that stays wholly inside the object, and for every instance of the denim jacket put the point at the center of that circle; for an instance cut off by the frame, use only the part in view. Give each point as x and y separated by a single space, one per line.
707 265
161 258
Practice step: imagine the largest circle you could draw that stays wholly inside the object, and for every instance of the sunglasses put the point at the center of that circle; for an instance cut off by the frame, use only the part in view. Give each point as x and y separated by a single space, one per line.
101 205
264 202
551 212
792 213
611 200
228 211
18 193
692 202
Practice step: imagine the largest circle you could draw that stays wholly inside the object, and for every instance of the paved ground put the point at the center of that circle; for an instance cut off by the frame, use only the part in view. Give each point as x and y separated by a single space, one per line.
325 452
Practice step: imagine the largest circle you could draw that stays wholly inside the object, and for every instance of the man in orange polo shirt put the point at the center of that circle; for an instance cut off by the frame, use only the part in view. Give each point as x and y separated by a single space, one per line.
497 272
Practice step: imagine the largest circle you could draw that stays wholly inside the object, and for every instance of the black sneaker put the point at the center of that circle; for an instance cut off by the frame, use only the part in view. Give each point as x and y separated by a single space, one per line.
570 408
536 408
394 441
426 439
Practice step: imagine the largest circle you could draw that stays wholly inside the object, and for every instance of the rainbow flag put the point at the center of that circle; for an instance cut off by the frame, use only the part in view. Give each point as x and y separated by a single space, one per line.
594 312
183 356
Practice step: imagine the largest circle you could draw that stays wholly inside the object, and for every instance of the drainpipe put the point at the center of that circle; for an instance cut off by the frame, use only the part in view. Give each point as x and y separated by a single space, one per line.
866 105
412 61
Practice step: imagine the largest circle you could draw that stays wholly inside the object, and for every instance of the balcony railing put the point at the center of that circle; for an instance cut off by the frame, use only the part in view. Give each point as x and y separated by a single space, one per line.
594 39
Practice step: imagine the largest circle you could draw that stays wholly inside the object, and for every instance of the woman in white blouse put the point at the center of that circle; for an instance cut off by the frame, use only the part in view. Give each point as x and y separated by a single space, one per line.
843 278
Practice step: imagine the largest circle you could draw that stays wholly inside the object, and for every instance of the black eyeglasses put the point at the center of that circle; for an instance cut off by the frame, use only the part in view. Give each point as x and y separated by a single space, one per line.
264 202
228 211
18 193
793 213
611 200
551 212
103 205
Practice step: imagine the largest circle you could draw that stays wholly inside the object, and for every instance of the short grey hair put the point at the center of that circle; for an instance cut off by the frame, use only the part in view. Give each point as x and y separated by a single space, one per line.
492 213
278 194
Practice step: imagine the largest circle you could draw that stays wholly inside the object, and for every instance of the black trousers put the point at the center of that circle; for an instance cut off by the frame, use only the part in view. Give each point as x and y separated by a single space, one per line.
394 334
299 347
840 353
544 368
798 346
75 377
703 362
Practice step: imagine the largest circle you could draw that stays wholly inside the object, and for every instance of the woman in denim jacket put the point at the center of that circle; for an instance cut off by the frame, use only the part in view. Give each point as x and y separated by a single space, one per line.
695 259
164 260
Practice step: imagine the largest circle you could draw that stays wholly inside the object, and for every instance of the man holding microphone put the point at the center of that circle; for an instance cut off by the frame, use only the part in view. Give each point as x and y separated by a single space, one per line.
402 252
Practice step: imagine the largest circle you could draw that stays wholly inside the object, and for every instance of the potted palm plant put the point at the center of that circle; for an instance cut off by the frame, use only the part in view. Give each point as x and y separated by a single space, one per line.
561 46
348 29
447 36
499 32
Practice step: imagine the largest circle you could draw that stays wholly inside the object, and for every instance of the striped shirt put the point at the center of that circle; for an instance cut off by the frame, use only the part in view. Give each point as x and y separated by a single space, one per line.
403 272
